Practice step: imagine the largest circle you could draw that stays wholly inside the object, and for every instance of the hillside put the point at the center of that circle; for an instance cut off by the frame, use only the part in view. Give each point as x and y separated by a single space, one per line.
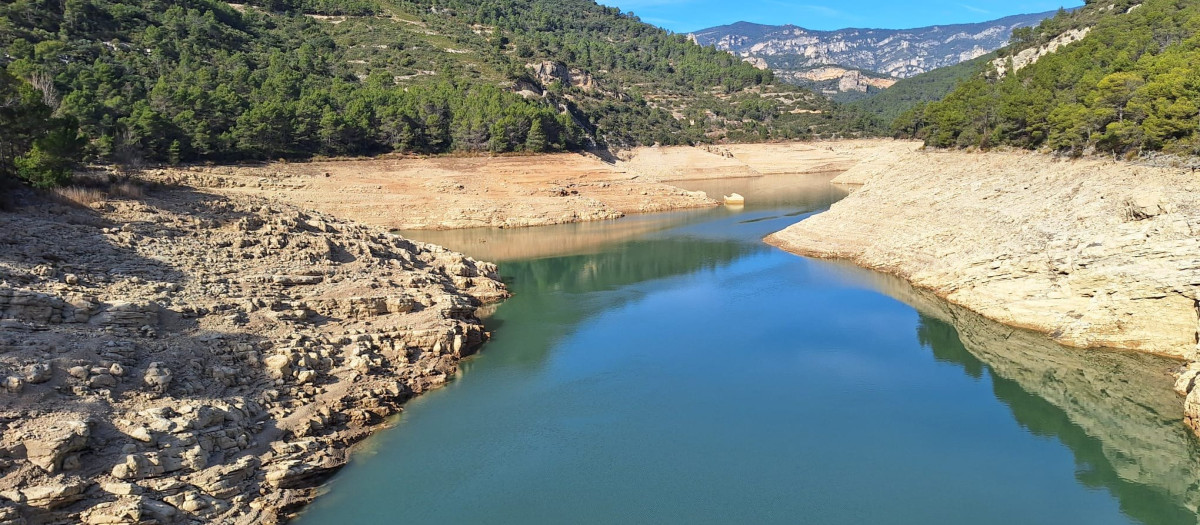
791 51
1114 78
195 80
886 105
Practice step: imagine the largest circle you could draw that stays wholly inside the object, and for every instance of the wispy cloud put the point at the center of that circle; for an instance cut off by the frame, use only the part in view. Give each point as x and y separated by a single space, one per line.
819 10
824 11
663 22
974 9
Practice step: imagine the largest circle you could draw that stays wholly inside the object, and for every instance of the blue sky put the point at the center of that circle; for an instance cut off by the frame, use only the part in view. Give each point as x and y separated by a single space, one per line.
683 16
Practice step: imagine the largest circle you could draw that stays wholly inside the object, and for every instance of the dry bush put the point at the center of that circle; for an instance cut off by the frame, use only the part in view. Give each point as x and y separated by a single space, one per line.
79 195
128 190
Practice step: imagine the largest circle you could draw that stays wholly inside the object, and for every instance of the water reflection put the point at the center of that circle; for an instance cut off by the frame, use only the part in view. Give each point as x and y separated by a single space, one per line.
556 294
1114 410
788 196
674 369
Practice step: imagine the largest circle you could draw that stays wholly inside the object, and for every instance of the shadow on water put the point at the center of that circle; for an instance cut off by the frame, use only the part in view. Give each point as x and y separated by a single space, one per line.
1114 410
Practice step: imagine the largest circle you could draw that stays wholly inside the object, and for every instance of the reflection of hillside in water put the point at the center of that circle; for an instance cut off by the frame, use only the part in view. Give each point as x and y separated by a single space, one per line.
509 244
1116 411
811 191
805 193
552 296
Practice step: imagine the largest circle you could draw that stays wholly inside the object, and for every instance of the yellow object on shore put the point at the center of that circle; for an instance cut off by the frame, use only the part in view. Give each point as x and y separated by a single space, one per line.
735 200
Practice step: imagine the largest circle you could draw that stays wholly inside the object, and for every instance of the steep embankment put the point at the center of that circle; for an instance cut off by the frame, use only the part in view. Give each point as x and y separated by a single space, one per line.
188 357
1094 253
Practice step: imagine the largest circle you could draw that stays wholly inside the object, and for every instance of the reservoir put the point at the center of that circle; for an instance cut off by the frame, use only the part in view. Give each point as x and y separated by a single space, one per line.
675 369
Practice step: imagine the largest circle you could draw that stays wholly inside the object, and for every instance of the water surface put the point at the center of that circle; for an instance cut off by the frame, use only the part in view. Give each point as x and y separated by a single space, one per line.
675 369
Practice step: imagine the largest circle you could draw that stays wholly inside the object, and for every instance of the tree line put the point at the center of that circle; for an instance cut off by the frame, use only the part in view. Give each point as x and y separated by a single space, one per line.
1132 85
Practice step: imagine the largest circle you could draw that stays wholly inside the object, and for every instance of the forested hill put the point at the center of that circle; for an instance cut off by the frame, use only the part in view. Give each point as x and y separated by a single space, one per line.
1131 84
187 80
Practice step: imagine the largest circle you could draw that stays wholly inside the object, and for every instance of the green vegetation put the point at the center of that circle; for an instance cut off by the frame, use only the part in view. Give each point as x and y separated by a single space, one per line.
885 106
200 80
1131 85
35 146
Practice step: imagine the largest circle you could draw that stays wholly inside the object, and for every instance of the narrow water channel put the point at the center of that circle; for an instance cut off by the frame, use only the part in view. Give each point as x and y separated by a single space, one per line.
675 369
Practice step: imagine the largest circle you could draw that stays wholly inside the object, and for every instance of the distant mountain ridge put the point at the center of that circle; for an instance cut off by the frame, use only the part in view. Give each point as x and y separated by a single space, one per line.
894 53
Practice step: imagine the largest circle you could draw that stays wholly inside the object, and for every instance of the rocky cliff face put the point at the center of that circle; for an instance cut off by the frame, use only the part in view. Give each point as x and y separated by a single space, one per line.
186 357
832 80
887 52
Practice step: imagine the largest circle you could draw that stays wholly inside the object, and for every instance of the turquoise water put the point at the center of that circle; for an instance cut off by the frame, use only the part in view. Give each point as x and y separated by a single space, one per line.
675 369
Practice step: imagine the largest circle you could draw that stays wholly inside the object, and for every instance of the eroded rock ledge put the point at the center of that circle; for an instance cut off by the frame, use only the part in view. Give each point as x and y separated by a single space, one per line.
190 358
1093 253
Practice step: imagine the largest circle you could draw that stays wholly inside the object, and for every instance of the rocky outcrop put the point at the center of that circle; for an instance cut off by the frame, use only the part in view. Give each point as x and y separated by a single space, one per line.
548 72
196 358
832 80
1031 55
897 53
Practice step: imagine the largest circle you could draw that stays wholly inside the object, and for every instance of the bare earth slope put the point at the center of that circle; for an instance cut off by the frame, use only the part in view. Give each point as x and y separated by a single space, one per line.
464 192
188 357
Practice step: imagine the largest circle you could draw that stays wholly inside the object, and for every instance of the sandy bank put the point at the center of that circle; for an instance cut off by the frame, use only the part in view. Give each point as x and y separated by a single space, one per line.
188 357
464 192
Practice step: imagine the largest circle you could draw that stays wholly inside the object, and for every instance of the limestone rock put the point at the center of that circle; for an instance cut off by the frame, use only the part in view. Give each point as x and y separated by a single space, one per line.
48 450
124 510
14 384
157 377
50 495
1187 379
38 373
279 366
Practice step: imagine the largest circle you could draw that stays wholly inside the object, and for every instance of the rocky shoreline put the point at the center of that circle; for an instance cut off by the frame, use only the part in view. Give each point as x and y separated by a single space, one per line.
186 357
1091 252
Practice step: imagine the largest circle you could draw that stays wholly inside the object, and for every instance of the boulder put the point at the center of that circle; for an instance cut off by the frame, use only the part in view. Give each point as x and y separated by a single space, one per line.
38 373
157 377
50 449
278 365
14 384
1145 205
49 496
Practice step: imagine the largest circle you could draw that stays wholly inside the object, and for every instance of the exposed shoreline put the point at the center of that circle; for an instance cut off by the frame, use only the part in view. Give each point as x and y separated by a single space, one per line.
211 350
511 191
185 357
1092 253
